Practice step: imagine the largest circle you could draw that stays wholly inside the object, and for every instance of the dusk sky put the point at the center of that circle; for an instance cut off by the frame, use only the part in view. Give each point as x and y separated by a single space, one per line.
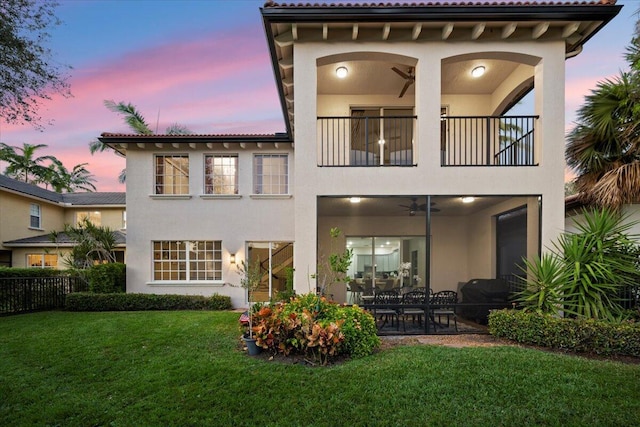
203 64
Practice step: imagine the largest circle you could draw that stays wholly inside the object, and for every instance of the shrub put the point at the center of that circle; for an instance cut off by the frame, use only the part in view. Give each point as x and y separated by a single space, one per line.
108 278
86 301
577 334
312 326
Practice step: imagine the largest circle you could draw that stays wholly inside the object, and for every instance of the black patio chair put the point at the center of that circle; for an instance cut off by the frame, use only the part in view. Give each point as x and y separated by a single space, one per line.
445 303
385 307
413 298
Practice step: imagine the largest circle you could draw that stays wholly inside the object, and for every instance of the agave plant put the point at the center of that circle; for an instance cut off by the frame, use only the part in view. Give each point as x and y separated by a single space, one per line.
600 261
545 277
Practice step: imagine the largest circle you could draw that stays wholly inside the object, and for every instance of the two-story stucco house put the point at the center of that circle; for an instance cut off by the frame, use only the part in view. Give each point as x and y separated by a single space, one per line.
28 214
397 132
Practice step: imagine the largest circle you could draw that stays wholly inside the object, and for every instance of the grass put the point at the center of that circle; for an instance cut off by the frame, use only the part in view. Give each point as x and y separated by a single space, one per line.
184 368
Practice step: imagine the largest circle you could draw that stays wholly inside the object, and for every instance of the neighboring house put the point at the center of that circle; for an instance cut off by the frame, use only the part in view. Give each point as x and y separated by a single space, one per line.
410 154
574 208
28 214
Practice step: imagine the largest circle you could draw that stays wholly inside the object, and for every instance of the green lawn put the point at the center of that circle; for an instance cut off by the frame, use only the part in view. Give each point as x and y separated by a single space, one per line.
184 368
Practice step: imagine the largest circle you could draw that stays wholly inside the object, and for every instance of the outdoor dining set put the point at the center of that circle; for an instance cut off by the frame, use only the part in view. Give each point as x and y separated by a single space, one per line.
414 306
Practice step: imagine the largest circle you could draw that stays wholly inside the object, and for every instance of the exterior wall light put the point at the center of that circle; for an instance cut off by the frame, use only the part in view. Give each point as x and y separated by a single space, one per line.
232 258
478 71
342 72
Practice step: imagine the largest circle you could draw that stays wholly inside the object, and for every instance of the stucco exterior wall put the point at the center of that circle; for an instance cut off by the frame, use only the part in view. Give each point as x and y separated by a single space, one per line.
234 221
428 177
15 217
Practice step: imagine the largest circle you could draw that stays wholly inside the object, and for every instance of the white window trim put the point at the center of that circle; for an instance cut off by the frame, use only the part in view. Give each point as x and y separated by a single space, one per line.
271 196
187 282
39 227
155 177
253 177
204 177
220 196
170 196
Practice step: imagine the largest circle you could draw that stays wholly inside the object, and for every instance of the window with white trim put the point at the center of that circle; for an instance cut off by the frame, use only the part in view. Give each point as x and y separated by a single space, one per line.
221 174
35 217
187 260
124 220
95 217
172 174
42 260
271 174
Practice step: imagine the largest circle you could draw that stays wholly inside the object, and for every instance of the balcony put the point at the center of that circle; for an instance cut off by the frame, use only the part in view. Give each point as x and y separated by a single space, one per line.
488 141
366 141
378 141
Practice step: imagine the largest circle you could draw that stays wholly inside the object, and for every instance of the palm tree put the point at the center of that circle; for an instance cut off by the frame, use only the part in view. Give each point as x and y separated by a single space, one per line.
604 147
22 164
138 125
61 179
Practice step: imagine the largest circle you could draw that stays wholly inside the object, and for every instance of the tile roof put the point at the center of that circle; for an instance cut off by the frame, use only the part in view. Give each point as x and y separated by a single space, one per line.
29 189
97 198
62 239
269 4
83 198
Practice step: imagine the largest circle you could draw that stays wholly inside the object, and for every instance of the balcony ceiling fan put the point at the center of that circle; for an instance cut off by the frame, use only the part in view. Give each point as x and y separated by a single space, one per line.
408 76
414 207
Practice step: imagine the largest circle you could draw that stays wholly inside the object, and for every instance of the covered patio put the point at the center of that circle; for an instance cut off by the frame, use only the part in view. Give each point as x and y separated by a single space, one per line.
468 246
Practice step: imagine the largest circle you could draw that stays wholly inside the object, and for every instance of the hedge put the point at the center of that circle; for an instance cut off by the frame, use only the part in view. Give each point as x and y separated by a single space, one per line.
577 335
86 301
11 272
108 278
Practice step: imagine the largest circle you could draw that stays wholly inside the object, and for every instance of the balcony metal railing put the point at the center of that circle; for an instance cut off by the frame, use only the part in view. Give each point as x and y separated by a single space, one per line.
366 141
488 141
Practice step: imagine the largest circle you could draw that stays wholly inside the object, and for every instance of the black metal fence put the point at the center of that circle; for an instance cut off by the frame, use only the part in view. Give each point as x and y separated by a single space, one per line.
26 294
488 141
366 141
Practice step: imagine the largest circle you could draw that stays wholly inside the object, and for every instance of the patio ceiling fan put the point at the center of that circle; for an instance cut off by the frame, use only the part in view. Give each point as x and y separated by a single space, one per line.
414 207
408 76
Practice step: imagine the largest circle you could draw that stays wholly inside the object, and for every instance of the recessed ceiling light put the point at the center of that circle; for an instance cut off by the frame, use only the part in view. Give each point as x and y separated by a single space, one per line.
468 199
478 71
355 199
342 72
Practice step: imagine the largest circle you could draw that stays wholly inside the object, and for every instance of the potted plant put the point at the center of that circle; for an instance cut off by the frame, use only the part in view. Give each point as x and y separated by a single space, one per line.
250 277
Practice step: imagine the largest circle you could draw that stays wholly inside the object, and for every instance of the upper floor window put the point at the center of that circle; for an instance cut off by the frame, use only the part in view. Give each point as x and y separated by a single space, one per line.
35 218
221 174
271 174
186 260
95 217
172 174
124 220
42 260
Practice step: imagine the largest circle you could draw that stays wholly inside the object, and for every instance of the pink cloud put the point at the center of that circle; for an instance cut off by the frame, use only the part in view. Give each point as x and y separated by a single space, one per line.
209 84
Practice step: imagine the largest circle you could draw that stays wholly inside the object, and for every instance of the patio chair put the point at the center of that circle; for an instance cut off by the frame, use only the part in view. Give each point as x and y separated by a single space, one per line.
413 298
390 299
355 291
445 303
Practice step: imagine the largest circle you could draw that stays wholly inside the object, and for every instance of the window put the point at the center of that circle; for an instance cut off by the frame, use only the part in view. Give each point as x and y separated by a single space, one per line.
35 217
172 174
94 217
221 174
124 220
42 260
271 174
187 260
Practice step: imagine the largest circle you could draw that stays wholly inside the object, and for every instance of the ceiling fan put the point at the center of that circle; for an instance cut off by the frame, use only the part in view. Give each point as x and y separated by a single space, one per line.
408 76
414 207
